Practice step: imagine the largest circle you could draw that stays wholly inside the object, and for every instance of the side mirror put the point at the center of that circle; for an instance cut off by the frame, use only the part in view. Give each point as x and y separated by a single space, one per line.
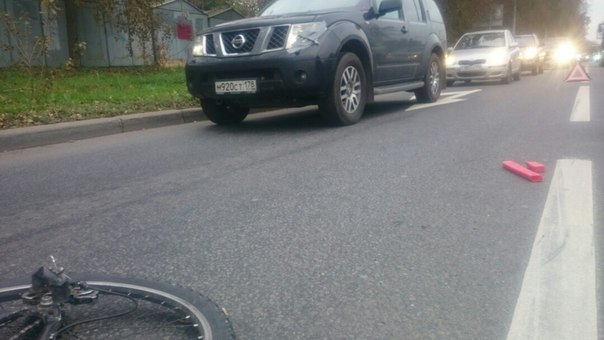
388 6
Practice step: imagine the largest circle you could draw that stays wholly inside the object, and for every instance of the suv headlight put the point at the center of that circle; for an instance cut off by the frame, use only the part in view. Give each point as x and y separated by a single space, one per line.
305 35
197 48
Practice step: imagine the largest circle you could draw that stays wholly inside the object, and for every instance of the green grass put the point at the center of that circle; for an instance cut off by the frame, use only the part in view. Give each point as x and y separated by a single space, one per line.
60 95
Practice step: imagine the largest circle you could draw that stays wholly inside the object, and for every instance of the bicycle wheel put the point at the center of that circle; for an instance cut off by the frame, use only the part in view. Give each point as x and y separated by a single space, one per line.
151 310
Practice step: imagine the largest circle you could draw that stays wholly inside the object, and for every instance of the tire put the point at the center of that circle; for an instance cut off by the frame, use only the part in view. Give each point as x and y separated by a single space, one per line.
163 311
450 83
430 92
508 76
347 94
224 113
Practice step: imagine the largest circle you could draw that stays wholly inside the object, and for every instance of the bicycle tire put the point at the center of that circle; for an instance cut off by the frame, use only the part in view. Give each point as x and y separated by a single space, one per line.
160 314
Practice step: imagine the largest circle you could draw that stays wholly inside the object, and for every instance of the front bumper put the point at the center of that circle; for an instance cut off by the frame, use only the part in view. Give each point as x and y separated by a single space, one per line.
529 64
476 72
282 78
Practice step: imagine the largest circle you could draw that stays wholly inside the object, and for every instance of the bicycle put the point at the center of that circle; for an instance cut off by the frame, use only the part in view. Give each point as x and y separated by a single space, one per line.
54 305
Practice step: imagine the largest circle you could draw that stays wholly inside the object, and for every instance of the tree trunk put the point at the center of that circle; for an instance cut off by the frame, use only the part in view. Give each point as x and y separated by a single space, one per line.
71 16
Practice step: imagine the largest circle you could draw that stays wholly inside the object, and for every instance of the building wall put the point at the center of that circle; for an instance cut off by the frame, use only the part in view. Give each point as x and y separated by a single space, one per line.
223 17
183 23
39 26
105 44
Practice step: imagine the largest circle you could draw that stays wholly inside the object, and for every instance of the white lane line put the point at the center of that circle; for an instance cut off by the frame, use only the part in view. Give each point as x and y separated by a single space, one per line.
446 98
558 295
581 109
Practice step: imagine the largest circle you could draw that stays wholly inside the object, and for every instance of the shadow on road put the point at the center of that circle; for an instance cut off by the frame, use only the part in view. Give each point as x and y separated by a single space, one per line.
308 118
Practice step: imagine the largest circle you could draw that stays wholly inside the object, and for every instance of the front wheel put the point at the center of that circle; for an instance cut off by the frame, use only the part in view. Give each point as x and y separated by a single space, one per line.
125 308
347 93
517 75
430 92
508 76
224 113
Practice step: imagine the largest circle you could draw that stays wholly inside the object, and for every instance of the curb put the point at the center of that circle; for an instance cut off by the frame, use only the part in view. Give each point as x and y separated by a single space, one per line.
28 137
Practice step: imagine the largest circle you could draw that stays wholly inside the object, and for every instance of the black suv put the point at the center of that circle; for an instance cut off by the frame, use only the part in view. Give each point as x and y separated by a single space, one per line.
338 54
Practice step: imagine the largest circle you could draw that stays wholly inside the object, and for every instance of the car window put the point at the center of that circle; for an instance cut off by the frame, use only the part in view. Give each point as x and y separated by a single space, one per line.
392 15
481 40
526 41
433 12
422 10
280 7
411 10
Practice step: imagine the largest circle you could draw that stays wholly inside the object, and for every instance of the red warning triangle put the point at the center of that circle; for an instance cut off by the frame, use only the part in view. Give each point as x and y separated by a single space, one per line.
578 74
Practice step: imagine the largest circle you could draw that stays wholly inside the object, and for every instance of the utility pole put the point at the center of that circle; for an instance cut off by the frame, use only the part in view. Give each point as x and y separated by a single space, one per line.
514 20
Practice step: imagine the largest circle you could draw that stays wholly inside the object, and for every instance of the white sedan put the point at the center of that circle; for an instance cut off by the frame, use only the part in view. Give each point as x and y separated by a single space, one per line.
484 55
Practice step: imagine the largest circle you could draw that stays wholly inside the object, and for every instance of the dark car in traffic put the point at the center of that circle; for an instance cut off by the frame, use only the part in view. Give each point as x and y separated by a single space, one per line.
532 53
338 54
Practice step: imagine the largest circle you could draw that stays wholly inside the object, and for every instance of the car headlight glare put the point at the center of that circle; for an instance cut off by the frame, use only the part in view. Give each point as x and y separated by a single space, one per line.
305 35
565 53
529 53
497 58
450 60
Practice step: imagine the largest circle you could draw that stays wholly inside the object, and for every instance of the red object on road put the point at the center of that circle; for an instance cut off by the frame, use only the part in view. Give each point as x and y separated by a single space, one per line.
578 73
522 171
535 166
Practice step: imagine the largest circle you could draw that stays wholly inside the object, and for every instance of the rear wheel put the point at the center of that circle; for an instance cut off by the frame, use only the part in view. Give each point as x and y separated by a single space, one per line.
126 308
430 92
347 94
224 113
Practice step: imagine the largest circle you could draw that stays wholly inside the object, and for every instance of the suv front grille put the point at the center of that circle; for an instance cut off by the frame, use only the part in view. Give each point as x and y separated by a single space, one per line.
278 37
239 42
209 44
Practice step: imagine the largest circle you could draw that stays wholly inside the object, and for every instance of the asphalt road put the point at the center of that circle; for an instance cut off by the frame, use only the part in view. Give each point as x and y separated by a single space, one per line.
404 226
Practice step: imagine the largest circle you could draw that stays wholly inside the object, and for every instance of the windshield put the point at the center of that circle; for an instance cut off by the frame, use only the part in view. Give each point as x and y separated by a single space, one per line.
481 40
526 41
280 7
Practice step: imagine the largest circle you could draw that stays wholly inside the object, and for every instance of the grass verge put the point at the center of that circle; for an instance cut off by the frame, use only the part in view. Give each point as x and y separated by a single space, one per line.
59 95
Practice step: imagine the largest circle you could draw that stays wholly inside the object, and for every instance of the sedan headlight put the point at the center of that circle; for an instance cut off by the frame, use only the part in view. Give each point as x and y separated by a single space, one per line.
305 35
450 60
497 58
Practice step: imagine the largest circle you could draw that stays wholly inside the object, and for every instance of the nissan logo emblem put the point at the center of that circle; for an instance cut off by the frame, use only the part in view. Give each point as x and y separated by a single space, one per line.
238 41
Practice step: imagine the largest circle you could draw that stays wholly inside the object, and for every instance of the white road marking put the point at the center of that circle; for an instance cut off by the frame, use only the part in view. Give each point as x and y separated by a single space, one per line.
446 98
558 295
581 110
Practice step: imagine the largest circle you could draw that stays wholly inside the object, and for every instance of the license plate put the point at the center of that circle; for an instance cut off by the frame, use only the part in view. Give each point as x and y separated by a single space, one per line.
236 86
472 68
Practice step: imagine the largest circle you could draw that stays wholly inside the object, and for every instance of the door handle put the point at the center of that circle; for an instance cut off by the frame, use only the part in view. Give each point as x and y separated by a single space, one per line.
404 29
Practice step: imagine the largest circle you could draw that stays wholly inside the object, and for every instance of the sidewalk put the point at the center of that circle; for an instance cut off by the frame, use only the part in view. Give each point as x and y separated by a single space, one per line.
27 137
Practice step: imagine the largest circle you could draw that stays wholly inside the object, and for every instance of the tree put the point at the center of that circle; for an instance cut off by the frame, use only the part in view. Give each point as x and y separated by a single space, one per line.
547 18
